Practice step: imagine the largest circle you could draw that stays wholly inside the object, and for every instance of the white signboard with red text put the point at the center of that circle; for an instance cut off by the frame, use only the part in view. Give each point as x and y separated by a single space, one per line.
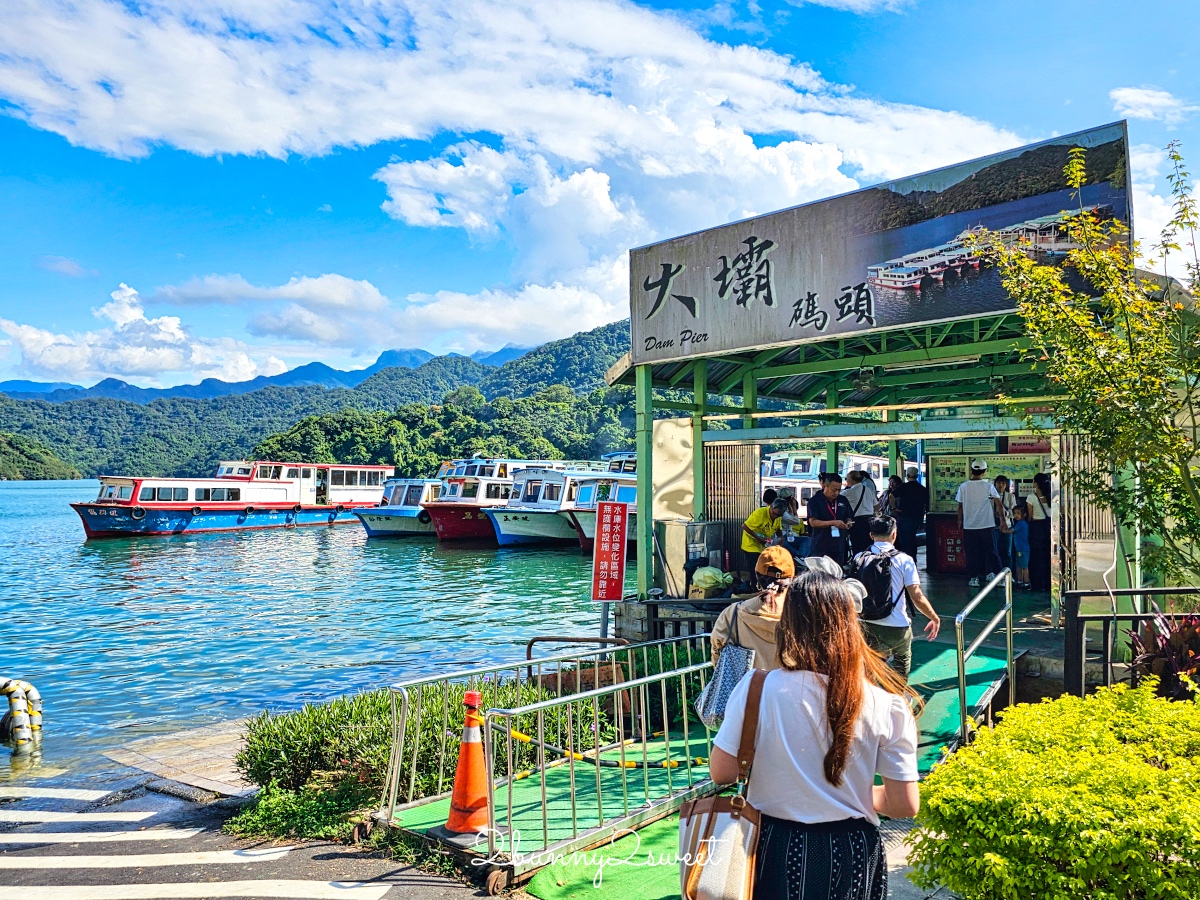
608 551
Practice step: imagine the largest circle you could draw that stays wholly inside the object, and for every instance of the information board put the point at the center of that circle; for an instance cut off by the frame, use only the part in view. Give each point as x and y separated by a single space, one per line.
608 551
946 473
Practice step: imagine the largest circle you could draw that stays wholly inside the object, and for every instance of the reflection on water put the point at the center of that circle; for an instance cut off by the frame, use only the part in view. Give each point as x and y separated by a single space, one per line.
129 637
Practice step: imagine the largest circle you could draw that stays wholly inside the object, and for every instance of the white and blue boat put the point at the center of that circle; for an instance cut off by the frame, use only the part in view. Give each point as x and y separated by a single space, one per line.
399 513
531 516
242 495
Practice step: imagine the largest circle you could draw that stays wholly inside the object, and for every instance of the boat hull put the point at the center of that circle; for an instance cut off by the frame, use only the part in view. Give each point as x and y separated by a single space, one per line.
460 522
531 526
102 520
384 522
585 529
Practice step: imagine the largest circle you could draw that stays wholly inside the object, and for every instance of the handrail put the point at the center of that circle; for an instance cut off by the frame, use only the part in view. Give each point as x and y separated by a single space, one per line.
1005 613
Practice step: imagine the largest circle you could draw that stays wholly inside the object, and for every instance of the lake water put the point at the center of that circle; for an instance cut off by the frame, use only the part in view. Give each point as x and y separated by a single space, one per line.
131 637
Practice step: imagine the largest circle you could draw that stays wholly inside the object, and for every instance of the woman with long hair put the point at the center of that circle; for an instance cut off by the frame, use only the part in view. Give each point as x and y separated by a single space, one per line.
831 718
1037 503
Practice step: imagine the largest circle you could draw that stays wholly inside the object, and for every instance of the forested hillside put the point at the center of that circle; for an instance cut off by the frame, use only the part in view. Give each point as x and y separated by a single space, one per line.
22 459
184 436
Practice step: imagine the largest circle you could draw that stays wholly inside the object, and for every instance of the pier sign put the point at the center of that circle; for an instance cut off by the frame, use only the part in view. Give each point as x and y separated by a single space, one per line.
882 257
608 551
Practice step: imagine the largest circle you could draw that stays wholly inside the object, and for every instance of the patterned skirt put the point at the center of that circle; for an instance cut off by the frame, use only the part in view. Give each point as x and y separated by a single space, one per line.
826 861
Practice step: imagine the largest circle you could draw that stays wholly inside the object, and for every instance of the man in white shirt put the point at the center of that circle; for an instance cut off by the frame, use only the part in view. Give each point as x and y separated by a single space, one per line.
892 636
978 511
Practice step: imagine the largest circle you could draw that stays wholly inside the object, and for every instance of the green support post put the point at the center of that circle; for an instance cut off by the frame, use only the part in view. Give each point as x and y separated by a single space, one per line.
831 447
700 400
749 398
893 447
644 399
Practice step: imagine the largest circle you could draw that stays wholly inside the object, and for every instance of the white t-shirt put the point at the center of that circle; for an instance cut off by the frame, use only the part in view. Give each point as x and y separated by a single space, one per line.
870 497
788 777
1036 510
976 498
904 574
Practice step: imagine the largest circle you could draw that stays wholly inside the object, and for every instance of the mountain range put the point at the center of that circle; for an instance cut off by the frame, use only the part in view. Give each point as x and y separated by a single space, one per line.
187 435
314 373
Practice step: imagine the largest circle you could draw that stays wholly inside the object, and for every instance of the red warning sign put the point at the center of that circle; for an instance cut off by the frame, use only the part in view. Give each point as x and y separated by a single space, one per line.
608 551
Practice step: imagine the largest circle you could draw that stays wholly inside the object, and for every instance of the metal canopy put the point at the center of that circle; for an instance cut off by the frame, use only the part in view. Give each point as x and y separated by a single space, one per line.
970 359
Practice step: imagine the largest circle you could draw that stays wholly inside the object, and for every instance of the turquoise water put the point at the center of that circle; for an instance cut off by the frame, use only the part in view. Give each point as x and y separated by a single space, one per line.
130 637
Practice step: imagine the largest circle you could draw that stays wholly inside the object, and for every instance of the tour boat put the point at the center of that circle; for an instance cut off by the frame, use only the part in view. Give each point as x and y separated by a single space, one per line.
399 513
242 495
472 486
618 484
532 514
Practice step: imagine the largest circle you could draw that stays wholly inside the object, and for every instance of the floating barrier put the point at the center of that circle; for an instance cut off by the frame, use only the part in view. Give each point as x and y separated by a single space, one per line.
22 724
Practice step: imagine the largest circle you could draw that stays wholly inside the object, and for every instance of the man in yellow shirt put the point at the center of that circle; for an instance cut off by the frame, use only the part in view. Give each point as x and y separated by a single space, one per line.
760 526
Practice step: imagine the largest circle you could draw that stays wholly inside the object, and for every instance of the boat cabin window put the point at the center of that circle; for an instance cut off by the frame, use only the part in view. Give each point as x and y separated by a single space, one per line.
293 473
604 491
107 492
493 490
532 489
502 472
615 466
460 470
630 465
337 477
351 478
487 471
587 495
472 470
244 470
552 492
373 478
779 467
222 494
179 495
270 473
434 490
573 491
203 494
808 493
627 493
470 489
146 494
801 466
306 473
413 496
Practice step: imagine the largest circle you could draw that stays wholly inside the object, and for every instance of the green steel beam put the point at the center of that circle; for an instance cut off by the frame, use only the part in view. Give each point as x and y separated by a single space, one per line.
643 435
760 359
971 373
931 354
831 447
749 397
907 428
676 406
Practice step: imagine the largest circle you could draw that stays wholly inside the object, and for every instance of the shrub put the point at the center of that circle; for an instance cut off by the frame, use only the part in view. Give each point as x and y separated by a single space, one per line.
1168 647
307 813
1069 798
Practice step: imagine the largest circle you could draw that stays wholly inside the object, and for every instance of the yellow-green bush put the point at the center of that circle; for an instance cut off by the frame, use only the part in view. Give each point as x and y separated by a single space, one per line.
1071 798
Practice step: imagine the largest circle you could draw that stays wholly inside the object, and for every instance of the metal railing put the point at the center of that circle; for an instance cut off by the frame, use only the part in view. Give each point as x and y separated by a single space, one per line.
1075 622
427 711
1004 615
629 767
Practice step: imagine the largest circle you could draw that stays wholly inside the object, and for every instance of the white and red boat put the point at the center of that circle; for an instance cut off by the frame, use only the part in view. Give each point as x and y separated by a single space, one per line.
618 484
471 487
242 495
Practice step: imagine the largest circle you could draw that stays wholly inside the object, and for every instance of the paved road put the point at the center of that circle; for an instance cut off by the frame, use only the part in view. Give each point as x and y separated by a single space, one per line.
73 844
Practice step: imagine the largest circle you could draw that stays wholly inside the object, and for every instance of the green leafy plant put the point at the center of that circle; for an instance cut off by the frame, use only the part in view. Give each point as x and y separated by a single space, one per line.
315 811
1122 351
1168 647
1071 798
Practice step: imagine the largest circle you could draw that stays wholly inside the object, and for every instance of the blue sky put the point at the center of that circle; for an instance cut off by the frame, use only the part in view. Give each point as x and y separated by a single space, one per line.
193 189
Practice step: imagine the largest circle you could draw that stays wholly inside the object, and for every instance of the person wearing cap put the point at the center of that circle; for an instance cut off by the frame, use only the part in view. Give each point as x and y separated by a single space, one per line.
757 618
912 502
829 519
893 636
978 511
758 529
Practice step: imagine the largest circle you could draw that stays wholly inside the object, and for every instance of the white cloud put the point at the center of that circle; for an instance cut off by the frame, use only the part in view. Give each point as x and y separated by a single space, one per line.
856 6
133 346
65 266
1150 103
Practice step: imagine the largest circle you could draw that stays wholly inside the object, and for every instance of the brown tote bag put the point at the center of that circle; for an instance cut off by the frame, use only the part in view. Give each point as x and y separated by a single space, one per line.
718 836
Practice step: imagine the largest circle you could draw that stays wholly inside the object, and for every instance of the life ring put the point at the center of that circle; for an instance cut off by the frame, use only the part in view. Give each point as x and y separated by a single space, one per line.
297 508
195 510
249 510
340 508
138 513
424 517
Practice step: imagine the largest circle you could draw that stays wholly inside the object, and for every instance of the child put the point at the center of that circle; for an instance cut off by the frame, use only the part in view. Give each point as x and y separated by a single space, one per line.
1020 536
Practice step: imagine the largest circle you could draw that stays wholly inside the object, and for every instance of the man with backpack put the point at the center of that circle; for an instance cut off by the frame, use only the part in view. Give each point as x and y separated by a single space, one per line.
893 587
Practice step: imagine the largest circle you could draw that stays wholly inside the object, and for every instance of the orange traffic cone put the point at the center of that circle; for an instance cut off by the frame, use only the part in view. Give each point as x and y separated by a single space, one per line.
468 800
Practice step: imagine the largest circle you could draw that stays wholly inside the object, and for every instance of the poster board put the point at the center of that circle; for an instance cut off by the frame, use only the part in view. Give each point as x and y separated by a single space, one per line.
946 473
608 551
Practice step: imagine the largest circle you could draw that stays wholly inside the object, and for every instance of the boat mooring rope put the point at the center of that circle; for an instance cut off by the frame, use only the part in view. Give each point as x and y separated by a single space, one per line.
22 724
594 758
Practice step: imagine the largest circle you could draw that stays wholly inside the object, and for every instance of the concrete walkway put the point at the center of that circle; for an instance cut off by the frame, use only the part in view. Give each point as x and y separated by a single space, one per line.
200 757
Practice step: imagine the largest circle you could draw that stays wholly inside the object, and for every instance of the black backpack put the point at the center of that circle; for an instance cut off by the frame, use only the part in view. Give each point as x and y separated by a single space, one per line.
874 570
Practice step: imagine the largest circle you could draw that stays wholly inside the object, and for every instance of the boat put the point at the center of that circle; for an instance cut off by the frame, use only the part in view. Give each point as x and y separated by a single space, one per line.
1045 235
399 513
618 484
539 495
472 486
801 470
242 495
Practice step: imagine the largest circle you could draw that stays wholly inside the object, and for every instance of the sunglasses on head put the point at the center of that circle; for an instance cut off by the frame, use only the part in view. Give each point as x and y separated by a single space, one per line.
769 582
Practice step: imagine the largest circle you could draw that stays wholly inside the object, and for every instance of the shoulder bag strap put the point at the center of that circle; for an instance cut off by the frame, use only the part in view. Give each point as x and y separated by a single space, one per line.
735 636
857 506
750 725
